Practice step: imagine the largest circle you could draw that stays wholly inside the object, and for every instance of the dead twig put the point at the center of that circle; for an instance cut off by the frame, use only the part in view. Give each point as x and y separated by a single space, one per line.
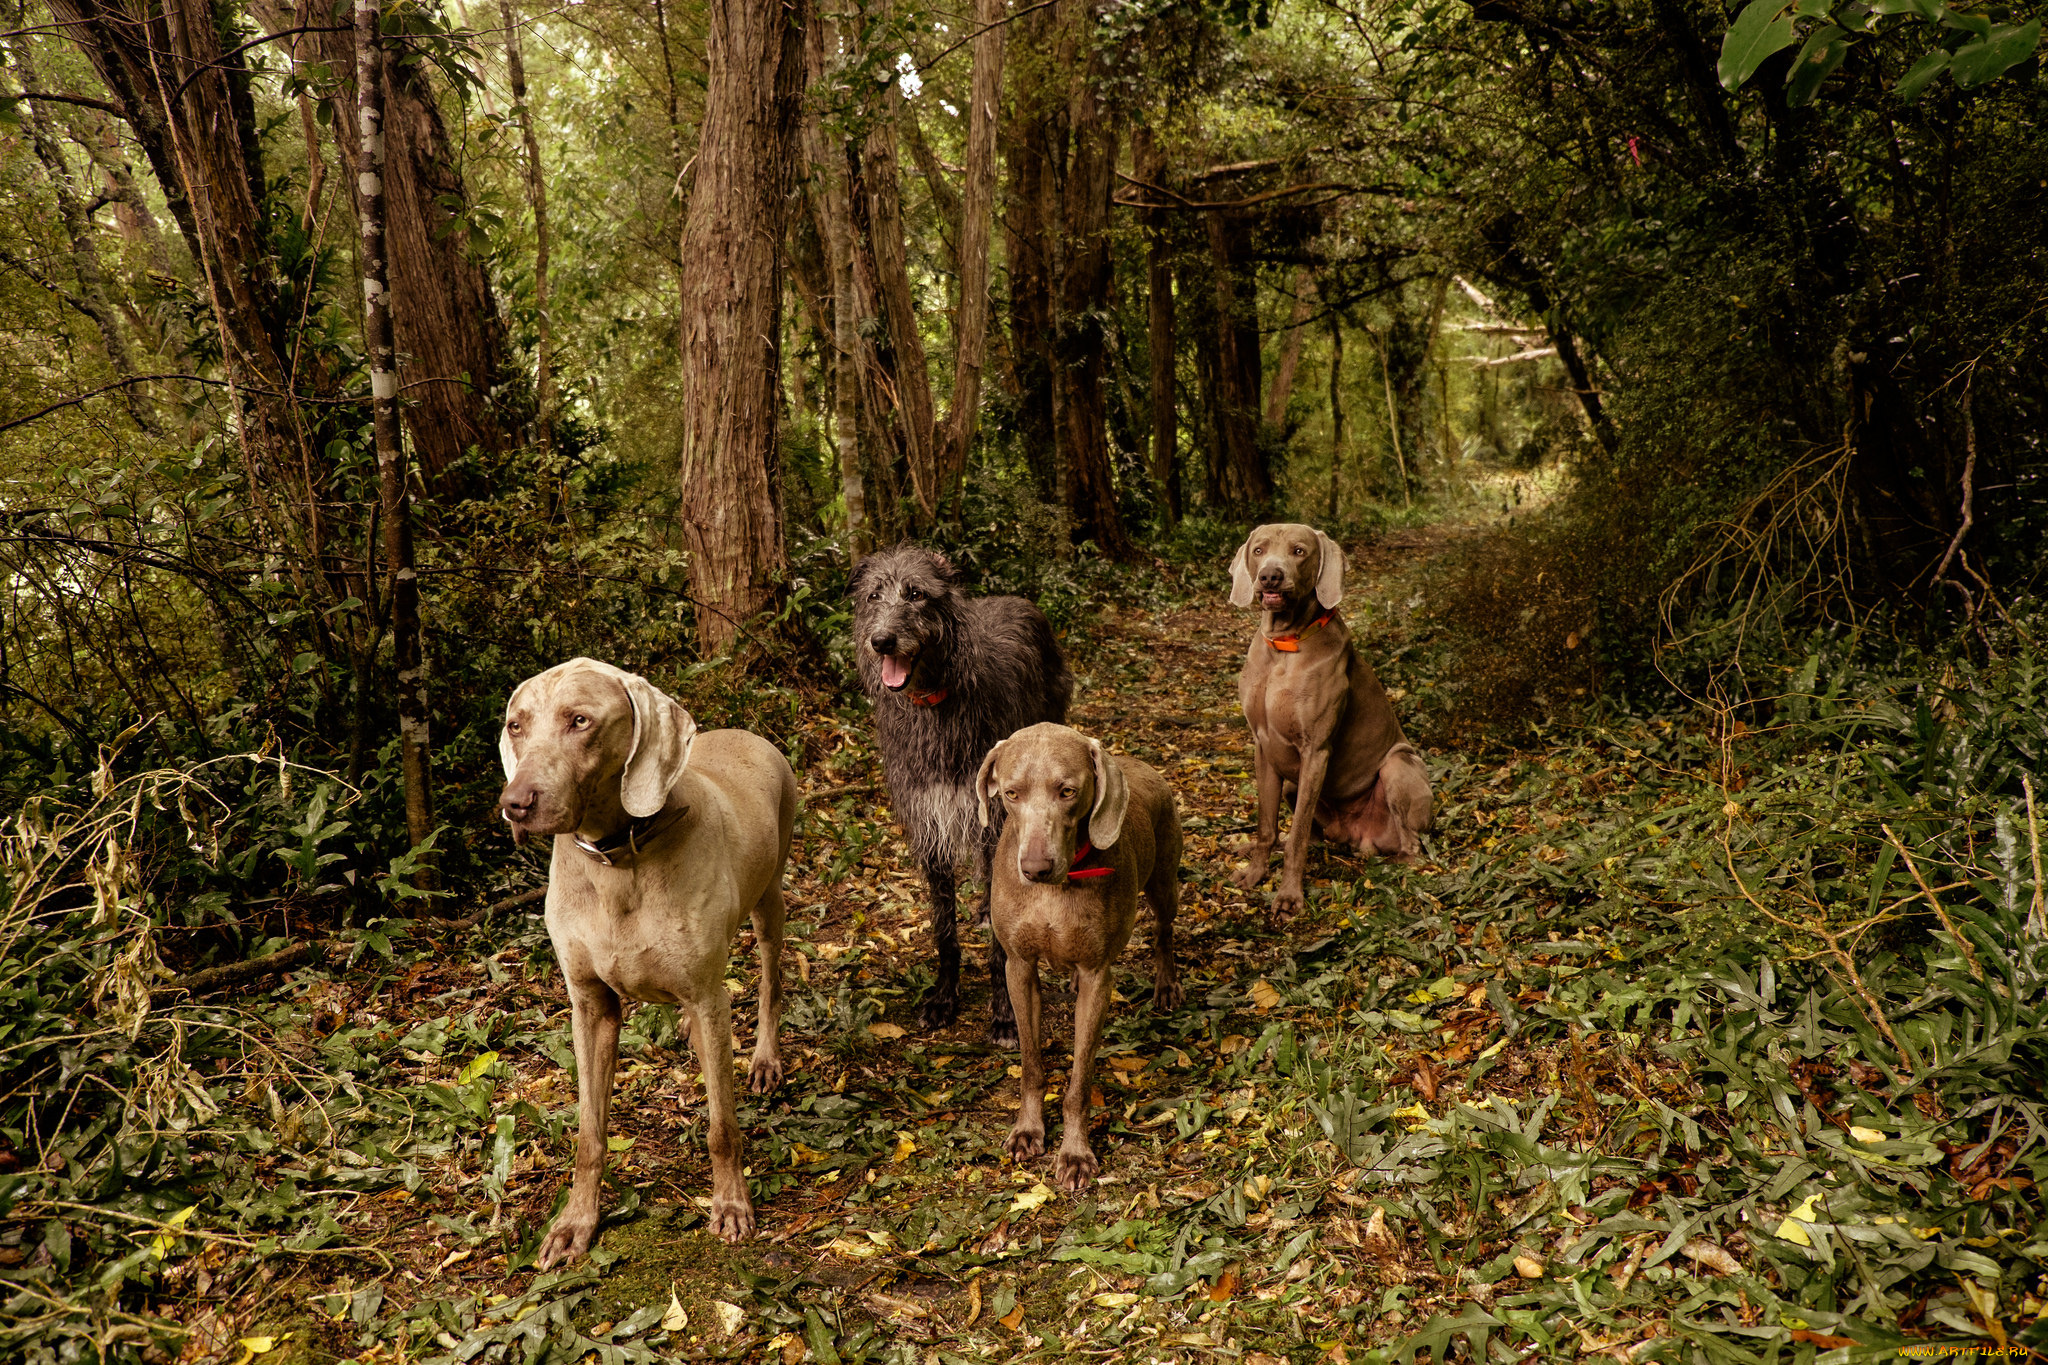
1969 954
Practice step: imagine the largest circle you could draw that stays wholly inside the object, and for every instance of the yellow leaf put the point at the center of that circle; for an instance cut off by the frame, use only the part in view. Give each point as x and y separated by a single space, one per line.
851 1249
476 1068
884 1029
675 1319
1866 1135
1528 1267
730 1316
1263 994
261 1346
1014 1318
162 1245
1414 1115
1030 1199
618 1144
1258 1187
1114 1300
905 1145
1128 1063
1793 1229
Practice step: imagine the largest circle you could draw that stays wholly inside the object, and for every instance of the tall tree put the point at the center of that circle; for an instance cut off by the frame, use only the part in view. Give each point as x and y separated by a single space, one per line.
450 337
1149 160
407 641
537 201
730 469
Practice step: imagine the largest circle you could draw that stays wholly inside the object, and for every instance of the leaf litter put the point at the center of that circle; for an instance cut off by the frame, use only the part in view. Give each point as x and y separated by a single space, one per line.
1585 1082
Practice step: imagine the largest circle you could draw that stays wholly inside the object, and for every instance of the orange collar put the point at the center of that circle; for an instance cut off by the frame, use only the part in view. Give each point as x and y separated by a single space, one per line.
1081 855
1291 644
916 698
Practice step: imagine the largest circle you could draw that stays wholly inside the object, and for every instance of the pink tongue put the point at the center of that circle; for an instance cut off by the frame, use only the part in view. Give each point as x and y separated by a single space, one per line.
1274 599
894 674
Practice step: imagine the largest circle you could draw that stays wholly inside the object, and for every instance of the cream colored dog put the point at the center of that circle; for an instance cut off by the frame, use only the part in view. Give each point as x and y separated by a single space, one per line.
665 841
1320 720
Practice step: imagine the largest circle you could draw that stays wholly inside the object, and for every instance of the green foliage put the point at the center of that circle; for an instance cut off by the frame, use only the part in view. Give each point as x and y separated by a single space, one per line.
1982 50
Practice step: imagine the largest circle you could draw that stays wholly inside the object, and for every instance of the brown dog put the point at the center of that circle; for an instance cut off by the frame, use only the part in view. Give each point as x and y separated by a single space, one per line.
1320 720
665 842
1085 832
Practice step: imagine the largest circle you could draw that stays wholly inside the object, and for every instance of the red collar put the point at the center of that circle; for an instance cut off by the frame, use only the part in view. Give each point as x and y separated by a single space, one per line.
1291 644
917 698
1081 855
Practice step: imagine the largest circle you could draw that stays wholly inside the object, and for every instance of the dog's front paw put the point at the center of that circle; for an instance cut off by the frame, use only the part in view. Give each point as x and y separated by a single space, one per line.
568 1239
940 1008
1074 1171
1257 855
732 1220
1167 994
1287 902
766 1074
1026 1143
1002 1033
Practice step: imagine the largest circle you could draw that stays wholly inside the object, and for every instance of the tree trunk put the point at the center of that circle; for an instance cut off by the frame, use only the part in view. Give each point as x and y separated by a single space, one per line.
413 713
830 215
1336 407
1159 338
977 213
537 200
732 299
1247 483
449 332
1290 351
1084 299
882 225
1028 248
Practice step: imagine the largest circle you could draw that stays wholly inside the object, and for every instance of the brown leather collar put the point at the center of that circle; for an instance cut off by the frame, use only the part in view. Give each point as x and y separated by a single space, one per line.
917 698
624 848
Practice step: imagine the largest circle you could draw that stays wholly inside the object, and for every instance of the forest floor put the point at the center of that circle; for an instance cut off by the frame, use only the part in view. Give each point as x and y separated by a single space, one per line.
1431 1109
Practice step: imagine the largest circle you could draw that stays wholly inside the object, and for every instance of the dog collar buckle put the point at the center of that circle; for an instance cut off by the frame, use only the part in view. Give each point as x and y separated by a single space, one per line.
932 698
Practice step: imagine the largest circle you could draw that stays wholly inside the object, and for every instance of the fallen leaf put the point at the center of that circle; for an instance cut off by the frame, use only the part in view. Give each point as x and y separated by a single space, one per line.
1233 1043
675 1319
1425 1080
166 1240
1225 1286
1114 1300
788 1345
1376 1226
1708 1256
1258 1187
476 1068
1030 1199
1128 1063
884 1029
1263 994
455 1258
1414 1115
905 1145
618 1144
730 1316
1866 1135
1528 1267
973 1302
1014 1318
1793 1229
1821 1339
852 1248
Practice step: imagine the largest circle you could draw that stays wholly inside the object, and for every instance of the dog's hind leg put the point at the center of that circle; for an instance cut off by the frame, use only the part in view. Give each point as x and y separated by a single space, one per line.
767 1069
1002 1024
942 1006
1163 892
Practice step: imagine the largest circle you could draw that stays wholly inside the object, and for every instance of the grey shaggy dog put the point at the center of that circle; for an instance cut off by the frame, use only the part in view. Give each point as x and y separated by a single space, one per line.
950 676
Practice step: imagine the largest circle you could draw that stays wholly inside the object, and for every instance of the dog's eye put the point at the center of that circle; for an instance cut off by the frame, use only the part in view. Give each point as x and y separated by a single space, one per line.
511 727
913 594
1299 552
1010 795
1066 793
875 596
579 722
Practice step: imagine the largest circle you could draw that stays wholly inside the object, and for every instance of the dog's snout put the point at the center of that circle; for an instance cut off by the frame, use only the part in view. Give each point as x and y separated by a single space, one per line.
882 643
1037 869
1269 576
517 802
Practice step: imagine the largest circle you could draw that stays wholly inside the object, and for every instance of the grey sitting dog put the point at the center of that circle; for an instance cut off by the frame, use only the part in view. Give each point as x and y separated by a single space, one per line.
1320 720
1086 832
949 676
666 841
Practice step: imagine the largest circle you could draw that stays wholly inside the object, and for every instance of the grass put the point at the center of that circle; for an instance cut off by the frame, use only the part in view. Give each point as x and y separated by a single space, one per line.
1684 1043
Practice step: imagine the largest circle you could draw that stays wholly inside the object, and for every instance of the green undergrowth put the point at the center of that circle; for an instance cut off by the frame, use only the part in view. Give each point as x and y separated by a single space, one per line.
1691 1040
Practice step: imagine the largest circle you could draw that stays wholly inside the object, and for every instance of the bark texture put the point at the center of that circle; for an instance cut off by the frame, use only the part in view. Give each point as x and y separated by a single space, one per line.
1159 331
413 732
731 312
1246 483
449 331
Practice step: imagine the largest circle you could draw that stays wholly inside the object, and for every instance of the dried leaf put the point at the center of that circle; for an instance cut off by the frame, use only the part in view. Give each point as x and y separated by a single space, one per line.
1263 994
1114 1300
1030 1199
731 1317
1013 1319
1225 1286
973 1302
1528 1267
881 1028
675 1319
1709 1257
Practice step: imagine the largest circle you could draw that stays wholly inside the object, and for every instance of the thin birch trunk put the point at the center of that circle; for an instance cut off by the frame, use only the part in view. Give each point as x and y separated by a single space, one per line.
391 474
977 218
1159 339
537 200
1282 391
1336 407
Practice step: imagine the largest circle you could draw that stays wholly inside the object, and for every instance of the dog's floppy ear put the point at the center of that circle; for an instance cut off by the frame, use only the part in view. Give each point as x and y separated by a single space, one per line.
858 579
1241 575
1330 578
662 735
1112 797
985 782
